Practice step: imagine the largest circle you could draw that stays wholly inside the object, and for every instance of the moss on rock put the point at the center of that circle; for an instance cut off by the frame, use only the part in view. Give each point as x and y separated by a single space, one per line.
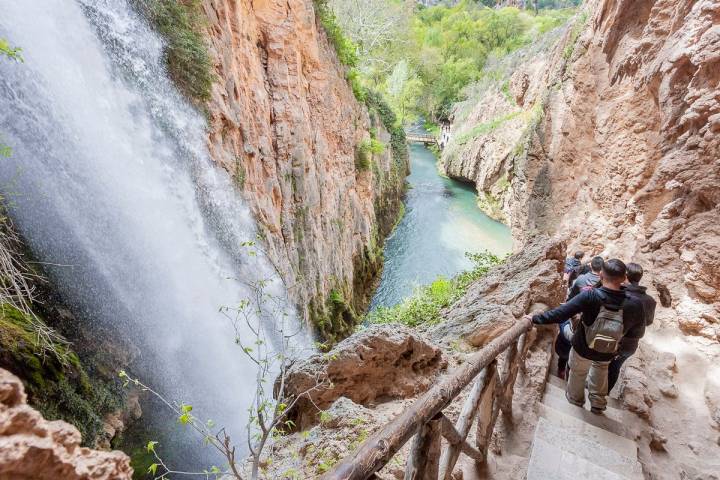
58 385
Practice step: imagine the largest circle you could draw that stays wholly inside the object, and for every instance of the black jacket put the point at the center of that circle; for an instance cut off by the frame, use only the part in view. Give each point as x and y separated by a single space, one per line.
589 279
588 303
629 344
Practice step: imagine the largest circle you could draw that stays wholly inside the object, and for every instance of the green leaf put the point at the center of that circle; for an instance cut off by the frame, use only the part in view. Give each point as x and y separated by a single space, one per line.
151 446
186 408
153 468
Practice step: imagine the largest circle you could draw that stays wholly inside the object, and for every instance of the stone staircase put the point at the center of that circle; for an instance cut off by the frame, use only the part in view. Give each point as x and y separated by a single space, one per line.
572 443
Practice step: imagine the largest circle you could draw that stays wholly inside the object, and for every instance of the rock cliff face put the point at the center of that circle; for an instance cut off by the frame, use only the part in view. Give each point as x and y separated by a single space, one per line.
284 121
610 139
33 448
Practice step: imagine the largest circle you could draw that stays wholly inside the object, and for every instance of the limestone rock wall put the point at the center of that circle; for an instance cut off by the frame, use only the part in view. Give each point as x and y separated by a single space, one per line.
619 153
33 448
284 121
615 145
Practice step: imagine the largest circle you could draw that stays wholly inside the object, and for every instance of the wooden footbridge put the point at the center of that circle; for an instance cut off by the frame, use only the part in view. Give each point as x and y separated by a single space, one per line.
427 139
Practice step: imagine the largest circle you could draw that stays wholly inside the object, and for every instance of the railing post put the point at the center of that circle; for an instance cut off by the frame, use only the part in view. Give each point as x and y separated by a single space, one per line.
451 454
424 457
376 451
489 408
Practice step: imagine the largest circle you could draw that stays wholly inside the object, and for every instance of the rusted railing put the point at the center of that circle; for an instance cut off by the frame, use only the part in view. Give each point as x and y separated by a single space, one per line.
491 393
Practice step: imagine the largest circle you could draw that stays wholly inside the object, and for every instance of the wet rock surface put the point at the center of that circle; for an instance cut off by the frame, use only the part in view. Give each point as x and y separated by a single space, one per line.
34 448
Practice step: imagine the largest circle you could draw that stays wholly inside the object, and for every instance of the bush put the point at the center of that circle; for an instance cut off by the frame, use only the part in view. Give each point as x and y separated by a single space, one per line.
186 55
375 102
425 305
346 49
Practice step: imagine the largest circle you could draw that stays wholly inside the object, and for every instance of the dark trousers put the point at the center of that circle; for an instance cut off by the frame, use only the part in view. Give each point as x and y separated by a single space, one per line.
614 368
562 348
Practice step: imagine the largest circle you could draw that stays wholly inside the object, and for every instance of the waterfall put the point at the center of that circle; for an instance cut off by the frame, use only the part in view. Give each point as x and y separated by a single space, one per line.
111 184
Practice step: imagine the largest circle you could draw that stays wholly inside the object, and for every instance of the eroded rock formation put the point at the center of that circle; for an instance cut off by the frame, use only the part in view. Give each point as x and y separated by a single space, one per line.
34 448
284 121
375 365
610 138
505 294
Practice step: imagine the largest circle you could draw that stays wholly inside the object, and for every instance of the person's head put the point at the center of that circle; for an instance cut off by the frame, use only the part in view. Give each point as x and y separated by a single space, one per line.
634 272
579 254
613 273
596 264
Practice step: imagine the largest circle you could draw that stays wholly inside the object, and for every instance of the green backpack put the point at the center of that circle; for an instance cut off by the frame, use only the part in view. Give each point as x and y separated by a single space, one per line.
607 330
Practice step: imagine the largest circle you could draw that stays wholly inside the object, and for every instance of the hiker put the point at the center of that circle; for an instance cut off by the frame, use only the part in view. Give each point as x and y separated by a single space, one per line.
587 280
629 344
607 315
563 344
571 265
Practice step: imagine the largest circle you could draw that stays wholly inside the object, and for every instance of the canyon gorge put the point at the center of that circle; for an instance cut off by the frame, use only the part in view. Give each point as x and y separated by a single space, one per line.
601 135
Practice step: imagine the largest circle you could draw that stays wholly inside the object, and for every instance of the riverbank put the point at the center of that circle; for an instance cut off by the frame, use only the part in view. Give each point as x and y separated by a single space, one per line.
441 223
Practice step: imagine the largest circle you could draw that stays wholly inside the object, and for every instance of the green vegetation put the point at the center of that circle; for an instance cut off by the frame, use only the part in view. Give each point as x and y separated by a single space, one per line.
574 35
420 59
10 52
58 385
187 58
425 305
487 127
13 53
365 150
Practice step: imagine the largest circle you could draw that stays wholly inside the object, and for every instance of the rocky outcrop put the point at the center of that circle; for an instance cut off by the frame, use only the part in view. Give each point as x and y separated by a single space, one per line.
378 364
619 153
506 293
284 121
33 448
619 148
373 376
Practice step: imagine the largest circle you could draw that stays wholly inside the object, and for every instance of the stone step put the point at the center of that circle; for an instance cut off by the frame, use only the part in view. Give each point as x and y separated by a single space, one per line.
582 446
560 383
611 412
550 463
600 421
623 446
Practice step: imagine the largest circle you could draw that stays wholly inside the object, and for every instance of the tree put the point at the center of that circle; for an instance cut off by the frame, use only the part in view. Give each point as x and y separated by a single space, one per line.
379 28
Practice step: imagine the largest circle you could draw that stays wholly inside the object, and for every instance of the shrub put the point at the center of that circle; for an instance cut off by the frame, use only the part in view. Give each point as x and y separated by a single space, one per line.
186 55
426 304
346 49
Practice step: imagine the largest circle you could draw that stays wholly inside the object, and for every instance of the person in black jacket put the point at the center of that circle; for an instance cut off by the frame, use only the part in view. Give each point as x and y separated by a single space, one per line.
629 344
584 361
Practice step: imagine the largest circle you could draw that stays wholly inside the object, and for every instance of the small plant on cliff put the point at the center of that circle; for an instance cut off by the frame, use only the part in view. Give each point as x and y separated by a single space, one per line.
186 54
346 49
270 350
425 305
13 53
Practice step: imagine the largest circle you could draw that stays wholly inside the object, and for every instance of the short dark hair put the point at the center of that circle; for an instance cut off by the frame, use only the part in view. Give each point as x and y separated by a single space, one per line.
597 264
634 272
579 254
614 268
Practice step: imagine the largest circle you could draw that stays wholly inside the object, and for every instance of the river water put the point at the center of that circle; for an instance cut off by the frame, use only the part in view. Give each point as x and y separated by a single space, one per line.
442 221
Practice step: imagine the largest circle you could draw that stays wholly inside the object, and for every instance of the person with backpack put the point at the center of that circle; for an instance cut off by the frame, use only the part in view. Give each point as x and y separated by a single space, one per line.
587 280
572 263
629 344
607 315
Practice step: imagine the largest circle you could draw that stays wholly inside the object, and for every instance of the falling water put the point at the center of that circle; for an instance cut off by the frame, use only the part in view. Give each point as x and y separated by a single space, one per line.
111 183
